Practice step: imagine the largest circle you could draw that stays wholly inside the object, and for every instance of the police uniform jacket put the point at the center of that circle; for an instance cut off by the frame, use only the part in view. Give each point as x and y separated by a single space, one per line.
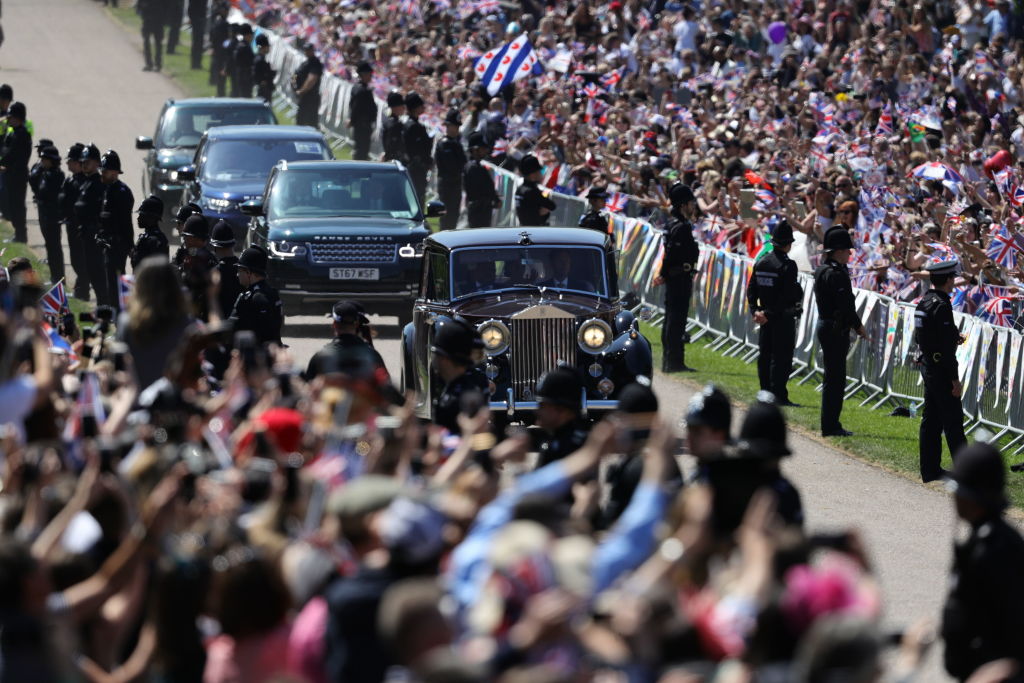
89 204
262 75
337 351
230 287
219 32
16 152
393 139
567 439
833 293
530 199
259 310
448 405
312 66
681 250
451 159
152 242
773 287
595 220
417 144
983 618
244 59
936 333
46 186
478 184
68 196
116 216
363 107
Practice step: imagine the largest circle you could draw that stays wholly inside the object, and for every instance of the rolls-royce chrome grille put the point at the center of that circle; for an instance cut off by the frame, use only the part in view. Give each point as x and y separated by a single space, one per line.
541 337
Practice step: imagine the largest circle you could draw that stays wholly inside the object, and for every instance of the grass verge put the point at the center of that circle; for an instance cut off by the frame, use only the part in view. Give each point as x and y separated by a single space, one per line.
891 442
11 249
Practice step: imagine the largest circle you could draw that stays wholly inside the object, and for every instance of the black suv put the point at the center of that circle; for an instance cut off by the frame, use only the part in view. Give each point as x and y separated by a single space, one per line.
342 229
178 130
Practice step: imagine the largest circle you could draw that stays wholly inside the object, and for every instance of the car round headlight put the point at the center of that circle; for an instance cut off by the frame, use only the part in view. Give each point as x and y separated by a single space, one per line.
495 336
595 336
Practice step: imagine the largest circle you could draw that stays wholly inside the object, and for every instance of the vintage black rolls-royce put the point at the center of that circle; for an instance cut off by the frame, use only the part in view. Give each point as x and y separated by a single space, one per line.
538 296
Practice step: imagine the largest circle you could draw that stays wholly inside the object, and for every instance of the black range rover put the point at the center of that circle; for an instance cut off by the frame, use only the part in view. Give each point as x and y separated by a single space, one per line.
339 229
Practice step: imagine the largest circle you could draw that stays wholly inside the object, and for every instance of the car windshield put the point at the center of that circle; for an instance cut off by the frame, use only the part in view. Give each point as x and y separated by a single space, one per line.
299 193
253 159
568 268
184 126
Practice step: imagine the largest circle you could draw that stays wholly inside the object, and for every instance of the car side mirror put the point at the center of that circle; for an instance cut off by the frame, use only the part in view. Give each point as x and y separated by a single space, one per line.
435 209
143 143
186 173
253 207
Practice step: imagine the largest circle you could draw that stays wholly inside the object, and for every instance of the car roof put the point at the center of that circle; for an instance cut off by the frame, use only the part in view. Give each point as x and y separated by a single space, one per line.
334 163
264 132
226 102
501 237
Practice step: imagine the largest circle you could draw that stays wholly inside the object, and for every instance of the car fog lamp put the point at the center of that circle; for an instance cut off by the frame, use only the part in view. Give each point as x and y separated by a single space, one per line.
491 370
606 386
407 251
495 336
595 370
595 336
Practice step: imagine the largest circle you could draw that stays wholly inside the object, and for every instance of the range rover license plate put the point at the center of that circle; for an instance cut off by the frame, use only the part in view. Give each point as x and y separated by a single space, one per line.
355 273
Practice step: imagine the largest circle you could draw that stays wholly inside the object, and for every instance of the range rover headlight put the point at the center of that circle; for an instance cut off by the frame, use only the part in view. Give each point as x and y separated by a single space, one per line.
285 249
594 336
495 335
219 204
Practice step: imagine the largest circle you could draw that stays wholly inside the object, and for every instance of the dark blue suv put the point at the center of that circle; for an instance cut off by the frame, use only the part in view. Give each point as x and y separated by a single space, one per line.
342 229
232 164
179 129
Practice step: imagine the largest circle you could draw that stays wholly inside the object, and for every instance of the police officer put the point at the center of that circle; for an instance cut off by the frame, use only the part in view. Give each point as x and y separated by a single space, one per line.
837 315
763 438
392 134
983 618
68 196
533 206
346 345
563 431
258 308
776 302
222 239
220 39
451 160
594 219
306 81
46 180
708 424
152 241
677 270
937 337
262 75
197 263
116 230
197 18
418 145
15 154
481 197
362 112
185 212
454 351
88 206
242 63
152 15
174 17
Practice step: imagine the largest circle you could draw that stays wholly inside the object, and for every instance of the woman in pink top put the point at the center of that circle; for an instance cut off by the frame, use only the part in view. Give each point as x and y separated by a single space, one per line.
250 601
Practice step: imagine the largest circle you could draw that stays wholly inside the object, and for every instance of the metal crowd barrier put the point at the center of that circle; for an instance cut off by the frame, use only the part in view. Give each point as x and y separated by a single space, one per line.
881 372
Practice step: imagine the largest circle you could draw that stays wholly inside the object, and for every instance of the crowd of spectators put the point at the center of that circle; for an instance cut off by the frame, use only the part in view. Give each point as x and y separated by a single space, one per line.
821 110
268 528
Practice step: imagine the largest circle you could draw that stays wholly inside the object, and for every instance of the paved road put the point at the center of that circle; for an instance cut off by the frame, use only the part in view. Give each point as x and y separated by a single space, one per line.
80 75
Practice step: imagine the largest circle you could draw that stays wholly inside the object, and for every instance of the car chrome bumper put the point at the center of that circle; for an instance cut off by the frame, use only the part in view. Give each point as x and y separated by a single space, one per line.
370 296
511 406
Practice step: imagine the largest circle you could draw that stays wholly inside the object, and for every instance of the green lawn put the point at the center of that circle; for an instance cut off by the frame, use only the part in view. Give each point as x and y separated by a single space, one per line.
887 441
12 249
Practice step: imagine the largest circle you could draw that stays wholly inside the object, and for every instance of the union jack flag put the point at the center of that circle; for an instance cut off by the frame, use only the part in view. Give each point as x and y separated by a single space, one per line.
997 311
1017 196
592 90
616 202
55 301
500 147
1003 247
468 52
125 287
767 197
884 128
611 79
